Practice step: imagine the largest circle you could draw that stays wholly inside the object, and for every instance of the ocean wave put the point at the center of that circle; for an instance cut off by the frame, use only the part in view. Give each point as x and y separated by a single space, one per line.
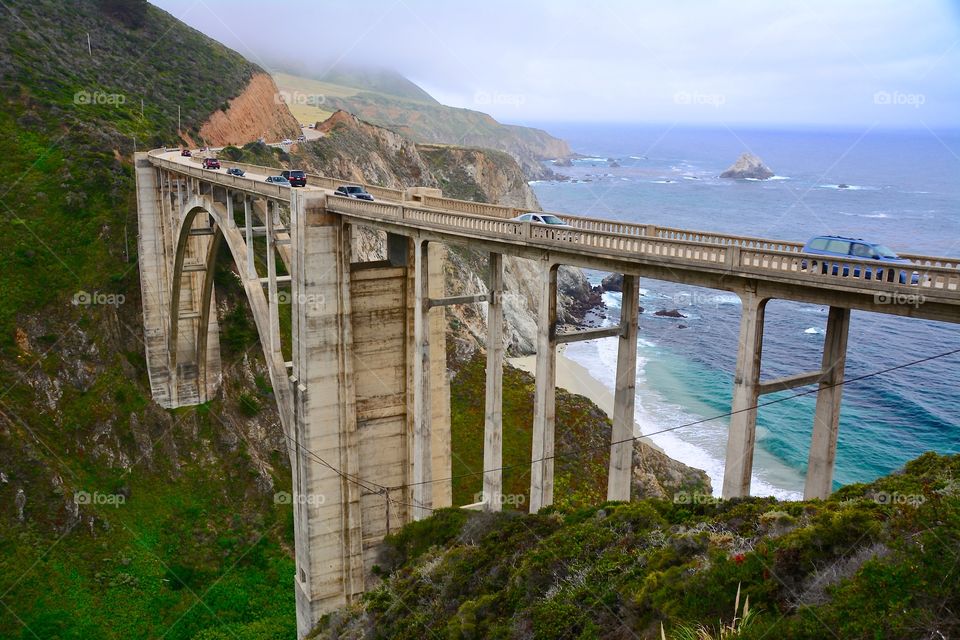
638 157
778 178
848 187
663 181
814 331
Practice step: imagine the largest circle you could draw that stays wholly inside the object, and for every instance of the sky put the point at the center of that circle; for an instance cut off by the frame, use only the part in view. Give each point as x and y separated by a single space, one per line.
851 63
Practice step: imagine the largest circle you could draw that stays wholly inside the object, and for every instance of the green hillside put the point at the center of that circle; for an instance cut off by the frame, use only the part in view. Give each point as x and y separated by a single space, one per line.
423 119
873 561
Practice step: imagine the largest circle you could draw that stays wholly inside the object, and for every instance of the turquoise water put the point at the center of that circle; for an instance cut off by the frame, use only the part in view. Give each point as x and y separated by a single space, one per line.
904 193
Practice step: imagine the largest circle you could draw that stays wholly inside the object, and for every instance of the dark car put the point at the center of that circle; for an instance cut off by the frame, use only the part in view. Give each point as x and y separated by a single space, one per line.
296 177
235 172
211 163
353 191
280 180
856 249
185 153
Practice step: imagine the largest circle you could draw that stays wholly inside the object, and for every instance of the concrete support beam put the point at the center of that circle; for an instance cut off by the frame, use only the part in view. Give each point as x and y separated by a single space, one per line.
826 423
746 387
493 402
422 460
248 238
544 404
453 300
790 382
272 297
625 394
588 334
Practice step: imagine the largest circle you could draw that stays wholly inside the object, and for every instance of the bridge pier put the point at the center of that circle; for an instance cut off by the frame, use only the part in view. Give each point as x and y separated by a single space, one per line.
544 402
493 402
625 394
826 421
741 438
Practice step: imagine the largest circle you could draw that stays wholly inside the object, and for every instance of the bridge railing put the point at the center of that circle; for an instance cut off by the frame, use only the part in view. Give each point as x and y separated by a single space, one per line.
615 239
474 208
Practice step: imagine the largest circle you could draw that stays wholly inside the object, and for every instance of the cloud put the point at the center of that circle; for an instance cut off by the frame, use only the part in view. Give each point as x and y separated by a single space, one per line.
813 62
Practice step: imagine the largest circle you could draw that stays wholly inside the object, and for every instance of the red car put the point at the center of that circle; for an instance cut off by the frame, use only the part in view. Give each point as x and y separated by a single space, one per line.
211 163
185 153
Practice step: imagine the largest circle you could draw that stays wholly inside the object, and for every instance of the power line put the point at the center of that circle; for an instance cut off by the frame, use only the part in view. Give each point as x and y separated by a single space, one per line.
385 490
694 422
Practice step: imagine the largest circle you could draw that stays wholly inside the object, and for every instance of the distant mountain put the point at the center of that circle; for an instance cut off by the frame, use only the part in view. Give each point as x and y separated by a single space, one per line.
398 104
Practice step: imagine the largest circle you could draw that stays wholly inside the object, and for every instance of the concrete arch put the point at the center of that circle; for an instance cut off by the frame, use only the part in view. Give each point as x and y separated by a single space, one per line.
224 230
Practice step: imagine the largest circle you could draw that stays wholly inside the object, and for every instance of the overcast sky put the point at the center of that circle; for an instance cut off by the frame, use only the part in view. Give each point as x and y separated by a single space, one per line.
842 62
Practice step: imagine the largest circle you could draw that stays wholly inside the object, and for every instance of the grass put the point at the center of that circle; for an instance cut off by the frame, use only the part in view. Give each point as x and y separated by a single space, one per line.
654 568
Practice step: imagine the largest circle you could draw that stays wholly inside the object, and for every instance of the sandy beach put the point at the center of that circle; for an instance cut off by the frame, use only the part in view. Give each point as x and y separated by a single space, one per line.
575 378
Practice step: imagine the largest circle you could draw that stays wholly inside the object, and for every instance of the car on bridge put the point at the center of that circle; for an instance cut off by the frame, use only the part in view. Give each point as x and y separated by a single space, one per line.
543 218
856 249
296 177
185 153
353 191
210 163
235 172
280 180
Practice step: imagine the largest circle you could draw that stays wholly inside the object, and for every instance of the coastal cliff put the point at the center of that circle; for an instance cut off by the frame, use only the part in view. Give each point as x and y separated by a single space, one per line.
254 113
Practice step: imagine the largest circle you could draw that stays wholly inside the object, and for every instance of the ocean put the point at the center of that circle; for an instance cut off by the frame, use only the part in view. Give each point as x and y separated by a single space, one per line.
902 190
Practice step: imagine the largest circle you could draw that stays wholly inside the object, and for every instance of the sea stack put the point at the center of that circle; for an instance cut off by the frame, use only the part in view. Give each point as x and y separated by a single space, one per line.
748 166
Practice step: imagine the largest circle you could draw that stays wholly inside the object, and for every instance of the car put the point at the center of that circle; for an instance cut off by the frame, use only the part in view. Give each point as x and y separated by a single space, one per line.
286 141
280 180
185 153
855 249
311 126
301 138
353 191
211 163
235 172
296 177
543 218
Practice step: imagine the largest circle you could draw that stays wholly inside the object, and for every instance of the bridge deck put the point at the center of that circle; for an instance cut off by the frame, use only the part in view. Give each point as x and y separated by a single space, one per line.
778 268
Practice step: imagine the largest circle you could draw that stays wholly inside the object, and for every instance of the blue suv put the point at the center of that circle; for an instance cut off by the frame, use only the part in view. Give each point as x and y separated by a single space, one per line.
856 249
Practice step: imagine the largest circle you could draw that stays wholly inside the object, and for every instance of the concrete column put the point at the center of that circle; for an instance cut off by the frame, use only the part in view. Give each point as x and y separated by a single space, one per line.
272 296
625 394
544 405
422 459
493 404
826 422
248 224
231 222
746 386
327 519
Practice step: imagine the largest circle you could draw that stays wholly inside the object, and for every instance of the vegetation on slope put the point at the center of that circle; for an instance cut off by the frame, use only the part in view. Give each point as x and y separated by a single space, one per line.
873 561
117 519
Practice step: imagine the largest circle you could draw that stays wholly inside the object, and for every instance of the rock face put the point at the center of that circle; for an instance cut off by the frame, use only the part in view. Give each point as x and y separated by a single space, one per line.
254 113
669 313
657 475
613 282
356 150
748 166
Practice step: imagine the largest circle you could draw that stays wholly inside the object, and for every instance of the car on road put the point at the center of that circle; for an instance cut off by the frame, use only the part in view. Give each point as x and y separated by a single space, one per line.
353 191
296 177
185 153
280 180
211 163
543 218
235 172
311 126
286 141
301 138
839 247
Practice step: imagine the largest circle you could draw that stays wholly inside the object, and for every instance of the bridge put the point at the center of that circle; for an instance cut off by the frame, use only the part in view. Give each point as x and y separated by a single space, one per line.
358 366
